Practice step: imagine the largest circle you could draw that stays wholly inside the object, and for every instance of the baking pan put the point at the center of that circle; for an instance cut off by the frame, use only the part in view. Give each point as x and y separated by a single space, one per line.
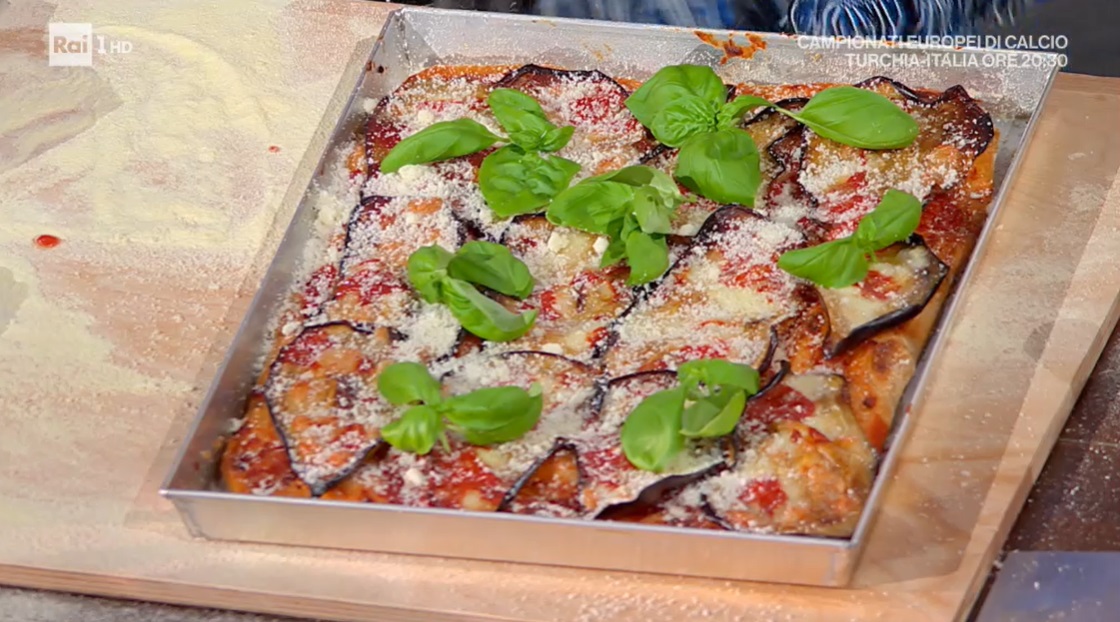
1012 86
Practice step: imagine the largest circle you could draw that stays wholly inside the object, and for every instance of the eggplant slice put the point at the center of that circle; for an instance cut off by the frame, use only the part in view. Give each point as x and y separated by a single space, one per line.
765 128
415 105
847 182
373 288
576 299
464 476
568 387
322 395
593 103
718 301
806 466
255 460
668 503
550 487
902 280
802 338
607 477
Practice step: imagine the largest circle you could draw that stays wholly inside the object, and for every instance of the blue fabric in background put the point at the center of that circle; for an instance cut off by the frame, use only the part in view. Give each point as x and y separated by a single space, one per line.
867 18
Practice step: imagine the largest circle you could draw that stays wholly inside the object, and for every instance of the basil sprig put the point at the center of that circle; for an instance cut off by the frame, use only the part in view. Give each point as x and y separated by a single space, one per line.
484 417
632 206
525 122
680 105
515 181
518 178
440 141
846 261
707 403
845 114
441 277
686 106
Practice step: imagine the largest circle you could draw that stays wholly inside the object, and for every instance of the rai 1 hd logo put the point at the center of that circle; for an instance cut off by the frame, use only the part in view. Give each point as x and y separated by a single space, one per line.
73 45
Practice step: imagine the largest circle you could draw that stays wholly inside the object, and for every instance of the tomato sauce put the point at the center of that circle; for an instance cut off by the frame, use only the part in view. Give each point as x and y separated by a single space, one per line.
548 305
878 286
317 288
781 403
368 284
463 475
605 464
764 278
47 241
307 348
766 494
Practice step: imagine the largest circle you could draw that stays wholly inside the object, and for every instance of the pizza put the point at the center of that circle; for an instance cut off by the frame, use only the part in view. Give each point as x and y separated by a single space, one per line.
800 453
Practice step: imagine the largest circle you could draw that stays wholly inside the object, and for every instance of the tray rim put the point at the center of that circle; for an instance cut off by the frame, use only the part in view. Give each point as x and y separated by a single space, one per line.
906 409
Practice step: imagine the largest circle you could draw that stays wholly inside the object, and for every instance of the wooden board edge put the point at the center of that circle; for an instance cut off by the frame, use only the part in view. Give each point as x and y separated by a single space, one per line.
1109 221
189 595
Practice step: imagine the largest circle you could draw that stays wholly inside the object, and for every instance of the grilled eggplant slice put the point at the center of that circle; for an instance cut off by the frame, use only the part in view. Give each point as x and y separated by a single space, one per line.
765 128
480 478
435 95
373 288
730 279
576 300
255 460
594 104
954 130
669 514
322 394
453 477
550 487
568 388
802 338
670 504
900 283
608 478
808 467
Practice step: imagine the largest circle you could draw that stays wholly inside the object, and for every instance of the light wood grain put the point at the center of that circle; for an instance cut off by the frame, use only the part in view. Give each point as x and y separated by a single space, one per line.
160 180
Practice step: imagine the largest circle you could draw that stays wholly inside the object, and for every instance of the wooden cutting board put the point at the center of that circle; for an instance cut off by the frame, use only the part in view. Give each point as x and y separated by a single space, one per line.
167 174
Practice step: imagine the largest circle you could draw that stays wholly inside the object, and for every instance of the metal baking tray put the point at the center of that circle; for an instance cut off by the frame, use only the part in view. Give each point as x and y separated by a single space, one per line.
415 38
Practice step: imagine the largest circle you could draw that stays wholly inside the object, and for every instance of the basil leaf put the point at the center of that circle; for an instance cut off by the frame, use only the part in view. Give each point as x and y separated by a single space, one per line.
722 166
415 431
482 316
636 175
614 253
439 141
514 181
834 264
491 265
486 409
591 205
496 415
671 85
648 257
524 120
557 138
893 220
731 113
652 214
651 435
626 226
648 177
682 119
408 383
714 416
427 270
858 117
718 372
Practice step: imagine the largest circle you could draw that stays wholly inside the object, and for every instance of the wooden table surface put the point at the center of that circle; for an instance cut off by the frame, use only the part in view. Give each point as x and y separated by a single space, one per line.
168 173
